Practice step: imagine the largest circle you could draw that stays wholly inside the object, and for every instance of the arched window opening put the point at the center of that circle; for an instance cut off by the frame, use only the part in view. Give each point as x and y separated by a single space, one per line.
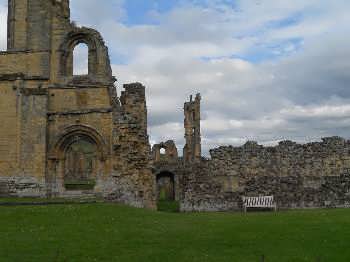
162 154
81 60
3 27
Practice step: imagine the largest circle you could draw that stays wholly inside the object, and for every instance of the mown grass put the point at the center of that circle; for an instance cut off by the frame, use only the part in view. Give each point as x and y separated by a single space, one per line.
168 206
29 200
109 232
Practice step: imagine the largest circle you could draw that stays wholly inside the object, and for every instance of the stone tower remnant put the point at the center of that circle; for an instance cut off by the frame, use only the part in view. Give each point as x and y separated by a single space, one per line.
192 151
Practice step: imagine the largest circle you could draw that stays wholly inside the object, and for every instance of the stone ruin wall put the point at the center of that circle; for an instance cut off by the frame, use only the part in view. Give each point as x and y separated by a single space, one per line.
133 182
44 109
299 176
36 80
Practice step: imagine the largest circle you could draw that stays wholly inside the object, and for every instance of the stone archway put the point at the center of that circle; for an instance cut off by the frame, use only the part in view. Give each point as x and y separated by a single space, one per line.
166 186
80 163
76 160
98 60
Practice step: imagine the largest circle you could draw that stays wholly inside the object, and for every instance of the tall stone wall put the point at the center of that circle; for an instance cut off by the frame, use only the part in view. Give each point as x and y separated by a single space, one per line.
33 138
134 183
327 158
299 176
66 135
30 65
23 140
9 103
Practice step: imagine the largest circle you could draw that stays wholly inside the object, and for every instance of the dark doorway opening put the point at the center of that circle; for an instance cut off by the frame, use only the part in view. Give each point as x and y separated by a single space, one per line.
166 192
166 186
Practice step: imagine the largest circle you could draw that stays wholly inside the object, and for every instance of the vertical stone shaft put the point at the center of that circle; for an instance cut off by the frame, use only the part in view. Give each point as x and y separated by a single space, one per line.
30 23
193 148
17 25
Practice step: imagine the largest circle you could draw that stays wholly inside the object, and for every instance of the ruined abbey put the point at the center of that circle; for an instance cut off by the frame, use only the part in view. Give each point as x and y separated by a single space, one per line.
63 135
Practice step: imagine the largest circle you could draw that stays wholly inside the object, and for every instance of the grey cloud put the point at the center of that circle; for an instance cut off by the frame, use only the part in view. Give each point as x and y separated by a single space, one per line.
316 78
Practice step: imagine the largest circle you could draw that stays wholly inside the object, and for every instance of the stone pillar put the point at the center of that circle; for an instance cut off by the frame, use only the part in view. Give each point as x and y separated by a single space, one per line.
133 100
17 25
193 149
134 148
31 24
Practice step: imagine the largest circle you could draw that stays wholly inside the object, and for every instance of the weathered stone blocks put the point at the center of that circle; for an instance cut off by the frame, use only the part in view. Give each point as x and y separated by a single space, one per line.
62 131
299 176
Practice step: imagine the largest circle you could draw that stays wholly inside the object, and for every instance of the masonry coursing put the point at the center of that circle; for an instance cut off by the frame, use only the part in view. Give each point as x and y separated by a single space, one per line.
298 175
64 135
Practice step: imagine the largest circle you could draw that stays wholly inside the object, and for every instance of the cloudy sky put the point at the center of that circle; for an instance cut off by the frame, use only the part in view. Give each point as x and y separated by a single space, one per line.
268 70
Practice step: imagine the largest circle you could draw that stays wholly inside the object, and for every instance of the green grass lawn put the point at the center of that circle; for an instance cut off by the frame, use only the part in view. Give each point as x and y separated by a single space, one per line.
109 232
168 206
13 200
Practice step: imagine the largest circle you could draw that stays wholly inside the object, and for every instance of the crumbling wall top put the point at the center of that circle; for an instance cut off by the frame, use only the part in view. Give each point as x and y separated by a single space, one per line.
327 147
171 153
